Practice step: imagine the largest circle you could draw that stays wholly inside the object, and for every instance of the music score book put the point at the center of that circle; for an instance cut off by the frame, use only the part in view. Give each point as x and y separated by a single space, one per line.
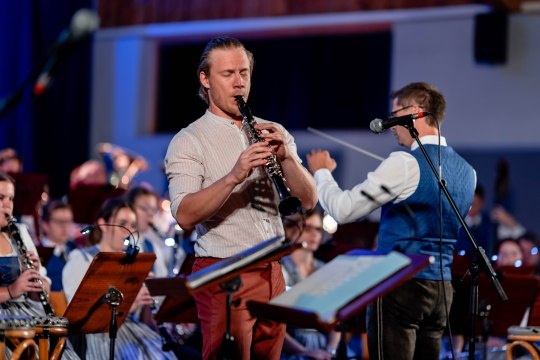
339 282
331 305
234 264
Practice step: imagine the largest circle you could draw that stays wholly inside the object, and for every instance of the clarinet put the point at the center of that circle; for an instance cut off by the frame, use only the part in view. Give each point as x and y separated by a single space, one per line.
27 263
288 204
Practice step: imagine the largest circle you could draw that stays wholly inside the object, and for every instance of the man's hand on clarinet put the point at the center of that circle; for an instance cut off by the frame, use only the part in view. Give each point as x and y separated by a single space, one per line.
275 138
255 155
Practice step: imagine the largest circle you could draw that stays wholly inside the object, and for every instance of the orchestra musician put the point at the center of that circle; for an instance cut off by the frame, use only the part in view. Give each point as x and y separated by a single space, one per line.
18 280
218 184
58 228
145 202
134 340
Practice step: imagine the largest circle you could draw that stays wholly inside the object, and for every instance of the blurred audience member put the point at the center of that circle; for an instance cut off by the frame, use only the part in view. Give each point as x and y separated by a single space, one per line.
529 245
10 162
507 224
509 253
58 228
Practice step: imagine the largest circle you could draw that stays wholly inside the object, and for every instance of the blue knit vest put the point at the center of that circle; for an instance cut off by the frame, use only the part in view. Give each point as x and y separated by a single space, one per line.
413 226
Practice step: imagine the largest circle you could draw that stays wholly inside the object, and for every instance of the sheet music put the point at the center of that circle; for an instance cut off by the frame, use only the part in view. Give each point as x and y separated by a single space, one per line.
339 282
202 277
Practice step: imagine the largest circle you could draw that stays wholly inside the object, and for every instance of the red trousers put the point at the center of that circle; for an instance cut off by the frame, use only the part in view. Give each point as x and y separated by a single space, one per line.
253 338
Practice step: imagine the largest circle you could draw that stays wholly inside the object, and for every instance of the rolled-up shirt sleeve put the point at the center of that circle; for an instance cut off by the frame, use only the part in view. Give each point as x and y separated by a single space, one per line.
395 179
184 168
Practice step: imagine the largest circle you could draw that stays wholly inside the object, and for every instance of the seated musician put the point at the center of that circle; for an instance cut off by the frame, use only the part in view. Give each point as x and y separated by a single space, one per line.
134 340
58 227
305 343
145 202
20 268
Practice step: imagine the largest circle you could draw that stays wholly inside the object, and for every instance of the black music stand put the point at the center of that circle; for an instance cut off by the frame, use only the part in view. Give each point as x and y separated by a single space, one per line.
178 305
227 272
106 293
45 253
326 310
86 201
522 290
28 192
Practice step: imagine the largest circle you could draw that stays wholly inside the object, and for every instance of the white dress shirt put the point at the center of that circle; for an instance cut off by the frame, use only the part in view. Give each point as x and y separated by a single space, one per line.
399 174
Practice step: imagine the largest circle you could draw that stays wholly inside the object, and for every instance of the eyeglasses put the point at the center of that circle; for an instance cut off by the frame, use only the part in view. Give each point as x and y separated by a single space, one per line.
148 209
312 228
61 222
394 113
291 223
304 227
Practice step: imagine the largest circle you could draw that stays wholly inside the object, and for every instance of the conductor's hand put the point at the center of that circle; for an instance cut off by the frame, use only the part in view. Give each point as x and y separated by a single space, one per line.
255 155
25 283
275 138
320 159
143 298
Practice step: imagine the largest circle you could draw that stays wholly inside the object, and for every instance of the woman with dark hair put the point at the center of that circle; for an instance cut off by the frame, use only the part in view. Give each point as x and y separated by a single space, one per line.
17 281
134 340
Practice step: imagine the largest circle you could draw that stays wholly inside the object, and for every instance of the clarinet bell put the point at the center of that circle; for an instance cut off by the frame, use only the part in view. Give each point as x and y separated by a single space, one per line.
289 206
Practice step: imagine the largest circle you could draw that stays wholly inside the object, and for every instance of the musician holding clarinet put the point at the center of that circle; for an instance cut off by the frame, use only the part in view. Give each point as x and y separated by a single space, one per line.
230 175
21 273
29 276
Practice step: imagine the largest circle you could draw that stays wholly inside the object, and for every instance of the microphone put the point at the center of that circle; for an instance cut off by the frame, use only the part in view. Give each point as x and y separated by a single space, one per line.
132 249
379 125
83 23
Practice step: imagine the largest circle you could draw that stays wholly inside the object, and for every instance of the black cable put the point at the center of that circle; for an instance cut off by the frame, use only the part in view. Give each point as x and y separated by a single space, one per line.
132 249
441 227
85 230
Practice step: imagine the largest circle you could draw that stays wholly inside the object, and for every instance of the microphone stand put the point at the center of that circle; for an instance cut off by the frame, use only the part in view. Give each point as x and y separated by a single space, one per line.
132 249
16 95
230 287
113 298
479 260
